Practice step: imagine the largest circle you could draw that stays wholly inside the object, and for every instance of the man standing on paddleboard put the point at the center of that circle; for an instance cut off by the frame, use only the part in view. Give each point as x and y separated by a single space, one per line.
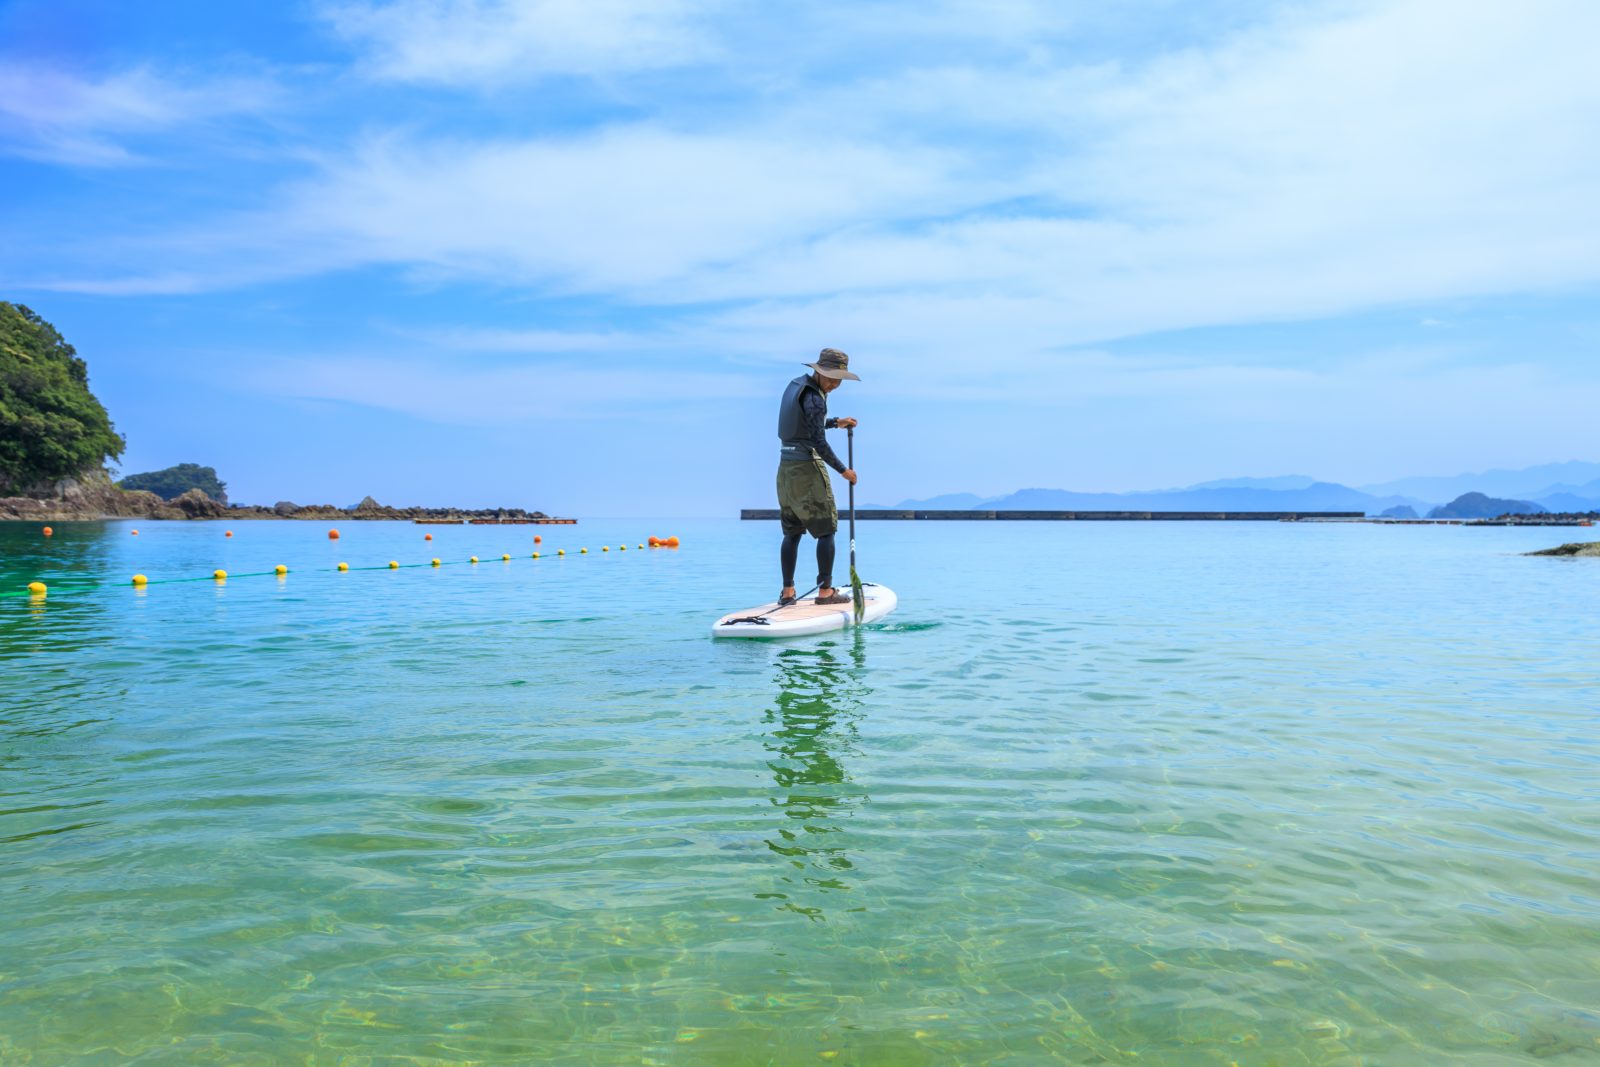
805 496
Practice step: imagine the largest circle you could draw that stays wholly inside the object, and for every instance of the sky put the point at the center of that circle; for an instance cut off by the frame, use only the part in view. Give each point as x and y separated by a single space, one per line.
565 254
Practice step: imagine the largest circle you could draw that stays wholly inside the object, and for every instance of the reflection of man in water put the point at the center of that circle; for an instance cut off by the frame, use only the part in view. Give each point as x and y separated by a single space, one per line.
814 719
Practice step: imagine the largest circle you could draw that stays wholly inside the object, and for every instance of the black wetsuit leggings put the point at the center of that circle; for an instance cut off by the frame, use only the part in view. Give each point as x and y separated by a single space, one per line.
791 554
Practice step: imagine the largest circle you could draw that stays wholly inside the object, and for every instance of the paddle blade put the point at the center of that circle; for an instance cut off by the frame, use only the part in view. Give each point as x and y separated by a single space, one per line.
856 595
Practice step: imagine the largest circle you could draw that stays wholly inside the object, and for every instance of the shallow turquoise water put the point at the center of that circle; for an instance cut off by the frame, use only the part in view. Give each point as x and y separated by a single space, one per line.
1150 793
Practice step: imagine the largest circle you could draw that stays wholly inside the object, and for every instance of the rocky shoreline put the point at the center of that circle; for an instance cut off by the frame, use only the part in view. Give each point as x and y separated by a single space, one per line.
92 498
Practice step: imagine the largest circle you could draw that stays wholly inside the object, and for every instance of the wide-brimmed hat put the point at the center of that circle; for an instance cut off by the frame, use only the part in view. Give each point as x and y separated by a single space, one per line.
833 363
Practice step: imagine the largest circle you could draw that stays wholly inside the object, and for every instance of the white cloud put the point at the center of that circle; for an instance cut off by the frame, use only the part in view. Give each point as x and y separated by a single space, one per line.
480 339
444 390
57 117
1342 158
473 42
618 209
1418 150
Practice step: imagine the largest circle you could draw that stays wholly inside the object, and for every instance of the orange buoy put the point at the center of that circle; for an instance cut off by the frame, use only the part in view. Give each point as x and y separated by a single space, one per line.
134 532
655 542
49 531
228 534
538 540
427 537
333 535
672 542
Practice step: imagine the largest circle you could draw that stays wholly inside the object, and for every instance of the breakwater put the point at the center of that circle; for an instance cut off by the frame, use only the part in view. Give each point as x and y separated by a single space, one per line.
1082 516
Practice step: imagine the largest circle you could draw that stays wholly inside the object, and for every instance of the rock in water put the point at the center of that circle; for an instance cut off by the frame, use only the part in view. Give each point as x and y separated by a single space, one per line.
1577 548
195 504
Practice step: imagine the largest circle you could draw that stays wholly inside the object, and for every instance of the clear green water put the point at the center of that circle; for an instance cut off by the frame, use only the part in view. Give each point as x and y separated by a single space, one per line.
1097 793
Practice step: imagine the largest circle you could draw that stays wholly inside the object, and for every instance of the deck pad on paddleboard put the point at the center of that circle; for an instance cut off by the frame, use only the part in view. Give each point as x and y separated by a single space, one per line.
804 616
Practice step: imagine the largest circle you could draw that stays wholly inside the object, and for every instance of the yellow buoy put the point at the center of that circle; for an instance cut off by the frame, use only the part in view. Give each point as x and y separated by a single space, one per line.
220 575
436 562
36 588
280 570
561 552
394 564
473 559
622 548
344 566
506 558
139 579
583 551
536 555
605 548
640 546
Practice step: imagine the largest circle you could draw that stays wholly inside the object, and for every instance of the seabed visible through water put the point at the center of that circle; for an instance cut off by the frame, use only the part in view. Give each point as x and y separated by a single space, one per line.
1154 793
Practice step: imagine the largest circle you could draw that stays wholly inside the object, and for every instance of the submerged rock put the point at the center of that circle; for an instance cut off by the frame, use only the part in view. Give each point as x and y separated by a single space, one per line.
1577 548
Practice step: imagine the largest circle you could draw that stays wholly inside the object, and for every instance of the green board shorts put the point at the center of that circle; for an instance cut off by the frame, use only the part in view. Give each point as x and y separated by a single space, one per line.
805 499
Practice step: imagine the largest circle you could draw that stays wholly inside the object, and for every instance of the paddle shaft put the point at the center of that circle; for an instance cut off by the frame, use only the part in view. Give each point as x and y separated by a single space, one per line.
850 461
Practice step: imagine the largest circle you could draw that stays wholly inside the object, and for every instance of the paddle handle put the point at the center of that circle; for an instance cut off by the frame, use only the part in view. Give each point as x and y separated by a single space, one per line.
850 461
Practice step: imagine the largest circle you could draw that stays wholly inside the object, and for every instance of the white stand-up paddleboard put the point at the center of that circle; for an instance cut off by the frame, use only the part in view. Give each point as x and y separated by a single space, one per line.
804 616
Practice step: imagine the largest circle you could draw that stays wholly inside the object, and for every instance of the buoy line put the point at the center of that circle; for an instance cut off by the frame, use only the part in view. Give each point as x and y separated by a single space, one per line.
38 590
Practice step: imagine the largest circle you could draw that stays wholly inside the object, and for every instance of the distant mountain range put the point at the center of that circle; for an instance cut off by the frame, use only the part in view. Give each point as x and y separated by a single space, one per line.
1529 483
1571 486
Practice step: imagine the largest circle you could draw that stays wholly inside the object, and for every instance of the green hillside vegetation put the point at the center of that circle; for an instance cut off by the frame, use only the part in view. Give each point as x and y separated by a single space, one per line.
51 425
175 481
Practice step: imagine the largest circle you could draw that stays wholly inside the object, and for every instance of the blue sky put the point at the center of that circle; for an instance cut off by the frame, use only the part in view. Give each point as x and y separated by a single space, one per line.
566 254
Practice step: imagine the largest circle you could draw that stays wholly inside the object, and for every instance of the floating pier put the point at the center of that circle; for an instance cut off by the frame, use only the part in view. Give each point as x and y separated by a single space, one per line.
1081 516
1531 521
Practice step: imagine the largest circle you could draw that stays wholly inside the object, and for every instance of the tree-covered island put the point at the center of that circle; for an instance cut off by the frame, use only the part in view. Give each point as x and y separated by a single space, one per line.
56 439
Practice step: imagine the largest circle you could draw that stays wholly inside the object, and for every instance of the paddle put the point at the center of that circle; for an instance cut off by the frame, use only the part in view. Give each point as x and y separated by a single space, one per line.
856 594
